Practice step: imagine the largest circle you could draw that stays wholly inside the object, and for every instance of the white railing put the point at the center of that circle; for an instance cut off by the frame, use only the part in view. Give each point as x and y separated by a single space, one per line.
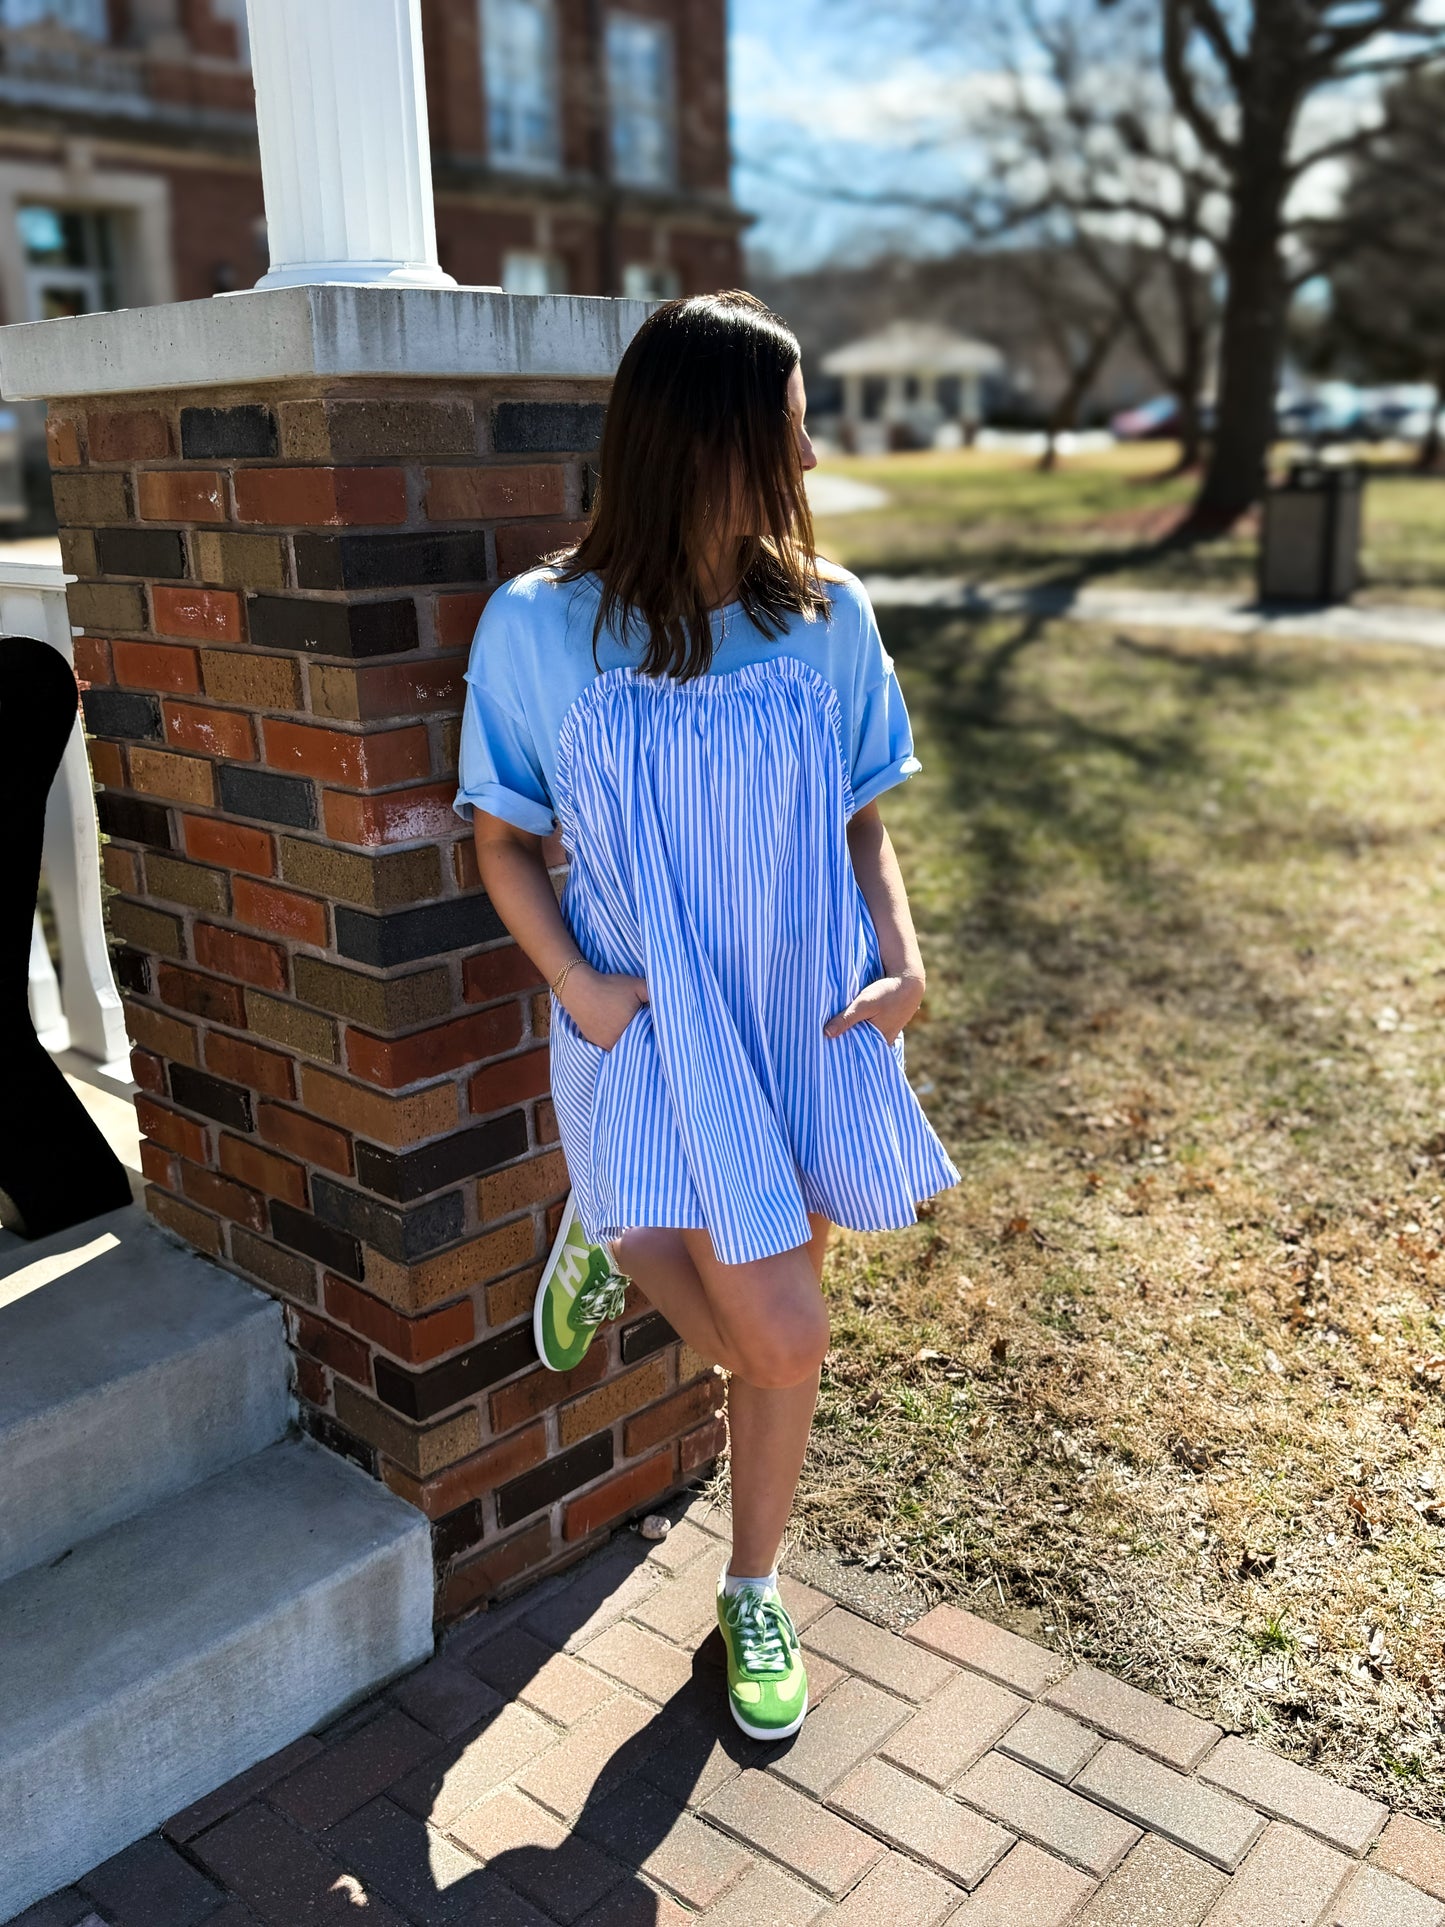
55 57
83 1011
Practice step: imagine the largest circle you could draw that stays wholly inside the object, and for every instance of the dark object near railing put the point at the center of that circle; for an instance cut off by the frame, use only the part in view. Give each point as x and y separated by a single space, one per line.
55 1167
1309 548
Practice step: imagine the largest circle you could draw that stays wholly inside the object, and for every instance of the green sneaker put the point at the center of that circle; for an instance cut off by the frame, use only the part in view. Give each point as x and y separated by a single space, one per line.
767 1686
580 1290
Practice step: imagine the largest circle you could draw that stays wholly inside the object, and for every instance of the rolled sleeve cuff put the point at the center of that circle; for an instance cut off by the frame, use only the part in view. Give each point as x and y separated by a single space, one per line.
522 812
887 778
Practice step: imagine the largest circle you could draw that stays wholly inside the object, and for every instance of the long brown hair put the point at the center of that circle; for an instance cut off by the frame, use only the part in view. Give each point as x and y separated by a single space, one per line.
698 431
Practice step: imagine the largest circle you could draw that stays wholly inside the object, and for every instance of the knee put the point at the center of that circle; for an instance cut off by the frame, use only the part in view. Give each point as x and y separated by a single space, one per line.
789 1351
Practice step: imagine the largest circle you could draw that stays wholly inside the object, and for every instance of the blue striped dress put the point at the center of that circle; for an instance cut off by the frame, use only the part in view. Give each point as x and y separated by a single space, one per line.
705 824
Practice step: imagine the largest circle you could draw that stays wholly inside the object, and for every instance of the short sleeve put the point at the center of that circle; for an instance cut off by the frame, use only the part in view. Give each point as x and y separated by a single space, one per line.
881 750
499 770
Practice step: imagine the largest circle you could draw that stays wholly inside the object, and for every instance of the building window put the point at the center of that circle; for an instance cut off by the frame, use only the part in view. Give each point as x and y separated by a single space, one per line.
70 259
519 51
645 281
88 17
639 92
527 272
234 11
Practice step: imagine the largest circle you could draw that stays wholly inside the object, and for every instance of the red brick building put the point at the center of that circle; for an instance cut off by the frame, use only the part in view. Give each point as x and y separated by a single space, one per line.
579 146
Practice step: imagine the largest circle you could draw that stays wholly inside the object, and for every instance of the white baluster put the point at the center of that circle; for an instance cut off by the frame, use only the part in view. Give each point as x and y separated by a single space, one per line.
45 1011
32 603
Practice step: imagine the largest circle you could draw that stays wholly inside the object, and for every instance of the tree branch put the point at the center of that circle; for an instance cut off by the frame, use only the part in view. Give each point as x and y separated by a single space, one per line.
1181 85
1211 24
1334 150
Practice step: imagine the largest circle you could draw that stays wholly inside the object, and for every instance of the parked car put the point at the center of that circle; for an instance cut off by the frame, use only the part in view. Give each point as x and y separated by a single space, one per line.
1155 420
1402 414
1332 412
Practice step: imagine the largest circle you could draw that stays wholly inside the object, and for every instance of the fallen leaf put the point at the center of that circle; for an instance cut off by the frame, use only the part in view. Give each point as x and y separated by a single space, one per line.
1364 1524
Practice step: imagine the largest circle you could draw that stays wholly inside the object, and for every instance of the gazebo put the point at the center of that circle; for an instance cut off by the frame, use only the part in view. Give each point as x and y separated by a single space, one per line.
915 382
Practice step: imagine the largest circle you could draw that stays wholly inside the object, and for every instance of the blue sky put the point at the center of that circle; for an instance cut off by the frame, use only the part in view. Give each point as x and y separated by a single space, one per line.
828 88
843 89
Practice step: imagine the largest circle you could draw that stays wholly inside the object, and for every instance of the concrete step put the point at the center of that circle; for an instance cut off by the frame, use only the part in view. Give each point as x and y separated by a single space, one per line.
129 1369
162 1657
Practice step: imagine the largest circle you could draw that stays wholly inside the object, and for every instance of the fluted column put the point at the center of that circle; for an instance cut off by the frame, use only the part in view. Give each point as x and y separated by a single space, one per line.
345 148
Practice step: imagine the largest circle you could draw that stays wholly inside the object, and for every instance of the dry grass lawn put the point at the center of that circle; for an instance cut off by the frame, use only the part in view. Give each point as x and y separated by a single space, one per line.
1166 1373
991 516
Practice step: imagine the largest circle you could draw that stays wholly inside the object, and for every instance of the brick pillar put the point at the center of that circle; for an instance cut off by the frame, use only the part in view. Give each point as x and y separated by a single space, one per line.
342 1058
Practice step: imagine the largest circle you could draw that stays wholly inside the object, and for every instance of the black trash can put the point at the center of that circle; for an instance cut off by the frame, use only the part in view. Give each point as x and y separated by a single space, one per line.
1309 547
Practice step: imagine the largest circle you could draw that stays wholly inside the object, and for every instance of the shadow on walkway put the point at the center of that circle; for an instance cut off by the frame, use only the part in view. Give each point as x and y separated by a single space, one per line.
504 1784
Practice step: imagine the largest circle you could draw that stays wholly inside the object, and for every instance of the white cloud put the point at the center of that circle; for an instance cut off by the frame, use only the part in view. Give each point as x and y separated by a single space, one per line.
905 103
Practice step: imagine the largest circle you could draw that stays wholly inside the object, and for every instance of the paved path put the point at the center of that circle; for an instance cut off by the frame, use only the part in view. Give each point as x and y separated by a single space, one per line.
830 494
1162 609
568 1759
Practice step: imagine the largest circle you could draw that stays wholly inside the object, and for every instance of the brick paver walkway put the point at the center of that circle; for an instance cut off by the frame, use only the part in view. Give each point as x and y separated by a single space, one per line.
569 1758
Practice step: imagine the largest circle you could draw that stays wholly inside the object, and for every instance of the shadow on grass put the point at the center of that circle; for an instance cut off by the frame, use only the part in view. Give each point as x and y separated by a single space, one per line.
1064 557
1074 770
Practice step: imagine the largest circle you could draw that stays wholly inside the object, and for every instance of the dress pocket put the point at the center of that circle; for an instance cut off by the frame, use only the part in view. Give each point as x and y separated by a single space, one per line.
626 1098
576 1065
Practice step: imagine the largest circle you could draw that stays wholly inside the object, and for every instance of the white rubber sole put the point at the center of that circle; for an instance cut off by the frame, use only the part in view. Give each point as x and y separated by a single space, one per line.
569 1218
769 1732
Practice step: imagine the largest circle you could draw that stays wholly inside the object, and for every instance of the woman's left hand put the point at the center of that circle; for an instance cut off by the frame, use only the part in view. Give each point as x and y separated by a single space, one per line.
887 1003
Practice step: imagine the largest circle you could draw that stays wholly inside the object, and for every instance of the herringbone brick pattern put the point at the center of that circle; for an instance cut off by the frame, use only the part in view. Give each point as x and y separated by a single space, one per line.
568 1758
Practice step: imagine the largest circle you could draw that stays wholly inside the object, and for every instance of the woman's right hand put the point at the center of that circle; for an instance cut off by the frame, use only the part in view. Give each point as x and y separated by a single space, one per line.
601 1004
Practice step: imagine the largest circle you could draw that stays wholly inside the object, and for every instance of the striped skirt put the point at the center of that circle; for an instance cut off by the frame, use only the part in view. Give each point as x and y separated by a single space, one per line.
705 823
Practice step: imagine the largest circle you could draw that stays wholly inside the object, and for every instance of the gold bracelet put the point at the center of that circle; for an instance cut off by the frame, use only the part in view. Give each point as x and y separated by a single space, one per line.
561 977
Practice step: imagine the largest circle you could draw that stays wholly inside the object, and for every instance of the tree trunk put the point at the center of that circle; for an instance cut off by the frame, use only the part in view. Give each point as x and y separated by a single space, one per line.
1251 343
1191 438
1429 455
1080 381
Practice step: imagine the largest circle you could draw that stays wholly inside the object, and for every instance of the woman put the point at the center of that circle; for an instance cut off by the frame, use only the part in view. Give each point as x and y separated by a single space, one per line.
709 714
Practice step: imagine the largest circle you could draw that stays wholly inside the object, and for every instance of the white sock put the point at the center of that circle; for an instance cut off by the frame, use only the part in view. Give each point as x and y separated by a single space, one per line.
733 1582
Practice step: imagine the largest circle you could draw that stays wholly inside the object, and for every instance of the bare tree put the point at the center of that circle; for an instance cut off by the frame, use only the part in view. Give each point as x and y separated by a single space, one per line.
1241 77
1197 124
1074 168
1223 169
1082 134
1386 315
1080 321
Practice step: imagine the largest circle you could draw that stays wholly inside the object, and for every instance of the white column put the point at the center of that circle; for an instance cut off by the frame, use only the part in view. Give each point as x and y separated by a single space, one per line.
345 147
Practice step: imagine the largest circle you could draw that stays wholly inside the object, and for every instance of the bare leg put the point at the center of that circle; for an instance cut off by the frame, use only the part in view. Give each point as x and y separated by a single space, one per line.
661 1265
768 1431
723 1311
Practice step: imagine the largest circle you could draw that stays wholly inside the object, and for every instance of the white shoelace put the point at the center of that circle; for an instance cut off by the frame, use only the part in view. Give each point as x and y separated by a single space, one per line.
763 1628
603 1300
